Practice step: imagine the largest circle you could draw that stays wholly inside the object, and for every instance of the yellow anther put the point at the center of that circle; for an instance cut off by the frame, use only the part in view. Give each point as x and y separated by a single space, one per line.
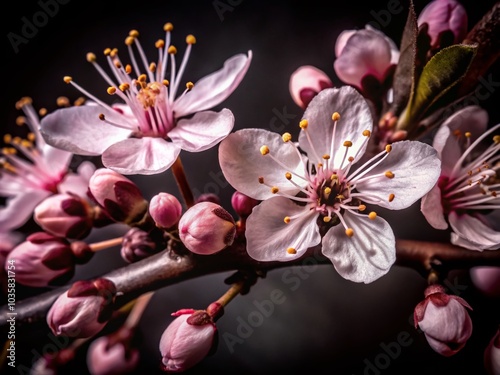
264 150
327 219
20 120
63 101
189 85
372 215
128 69
340 196
67 79
111 90
361 207
160 43
350 158
291 250
349 232
129 40
42 112
496 139
288 175
31 137
389 174
152 67
388 148
107 51
117 64
320 165
327 191
91 57
336 116
274 189
326 157
287 219
287 137
468 134
23 101
367 133
113 52
78 102
190 39
261 180
102 117
165 82
168 27
391 197
334 176
7 138
134 33
16 140
142 78
303 124
172 50
26 143
347 144
124 87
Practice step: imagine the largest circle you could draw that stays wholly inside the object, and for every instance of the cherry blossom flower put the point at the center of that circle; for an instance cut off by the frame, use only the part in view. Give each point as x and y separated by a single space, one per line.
465 197
31 170
146 133
319 198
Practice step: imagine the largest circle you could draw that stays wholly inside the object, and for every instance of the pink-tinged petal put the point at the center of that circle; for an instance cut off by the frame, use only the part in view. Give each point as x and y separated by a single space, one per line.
78 183
306 82
56 160
473 233
19 208
243 164
444 15
214 88
416 169
203 131
367 255
366 52
473 119
140 156
342 41
432 209
355 117
80 131
269 237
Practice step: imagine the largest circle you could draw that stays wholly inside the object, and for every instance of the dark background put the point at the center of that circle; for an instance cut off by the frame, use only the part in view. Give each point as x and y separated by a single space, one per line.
325 323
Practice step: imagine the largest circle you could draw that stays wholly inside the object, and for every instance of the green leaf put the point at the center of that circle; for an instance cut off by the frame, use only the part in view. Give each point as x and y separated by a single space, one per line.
441 73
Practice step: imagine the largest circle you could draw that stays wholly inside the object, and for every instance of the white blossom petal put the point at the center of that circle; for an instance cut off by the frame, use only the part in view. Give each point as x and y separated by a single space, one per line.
19 208
473 233
432 208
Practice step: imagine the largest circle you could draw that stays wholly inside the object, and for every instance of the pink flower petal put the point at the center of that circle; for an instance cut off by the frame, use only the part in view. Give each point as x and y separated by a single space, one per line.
432 208
140 156
203 131
309 79
56 160
19 208
80 131
78 183
211 90
367 255
269 237
473 233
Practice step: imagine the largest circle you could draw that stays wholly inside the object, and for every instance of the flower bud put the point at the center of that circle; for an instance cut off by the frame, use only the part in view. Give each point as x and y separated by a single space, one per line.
306 82
64 215
444 320
110 355
83 310
165 209
492 355
243 204
444 16
487 280
187 340
137 245
43 260
119 196
208 197
206 228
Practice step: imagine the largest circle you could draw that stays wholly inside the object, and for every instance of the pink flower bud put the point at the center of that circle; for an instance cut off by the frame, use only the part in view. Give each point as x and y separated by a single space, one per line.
42 260
187 340
306 82
64 215
111 355
243 204
444 320
206 228
443 16
83 310
492 355
119 196
137 245
208 197
487 280
165 209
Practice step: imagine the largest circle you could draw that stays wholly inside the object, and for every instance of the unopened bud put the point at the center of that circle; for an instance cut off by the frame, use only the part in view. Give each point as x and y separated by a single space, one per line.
208 197
165 209
137 245
243 204
206 228
64 215
306 82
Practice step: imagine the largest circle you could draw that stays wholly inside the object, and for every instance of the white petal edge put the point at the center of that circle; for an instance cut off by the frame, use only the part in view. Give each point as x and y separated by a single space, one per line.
432 208
473 233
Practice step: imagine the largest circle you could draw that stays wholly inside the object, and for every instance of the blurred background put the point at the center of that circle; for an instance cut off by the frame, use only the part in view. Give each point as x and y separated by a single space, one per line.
324 324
